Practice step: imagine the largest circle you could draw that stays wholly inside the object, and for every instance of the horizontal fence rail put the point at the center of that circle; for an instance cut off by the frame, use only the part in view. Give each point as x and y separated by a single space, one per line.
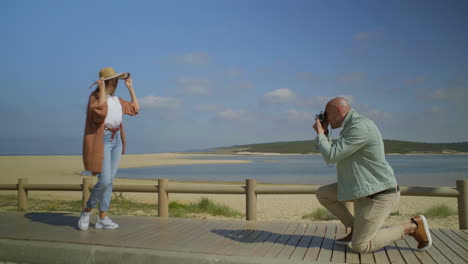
250 190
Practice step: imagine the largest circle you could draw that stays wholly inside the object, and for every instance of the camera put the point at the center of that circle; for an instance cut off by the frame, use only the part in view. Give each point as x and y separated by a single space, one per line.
322 117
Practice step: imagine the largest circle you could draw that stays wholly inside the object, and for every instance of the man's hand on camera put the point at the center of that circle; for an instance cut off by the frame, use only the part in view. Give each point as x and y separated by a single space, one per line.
319 128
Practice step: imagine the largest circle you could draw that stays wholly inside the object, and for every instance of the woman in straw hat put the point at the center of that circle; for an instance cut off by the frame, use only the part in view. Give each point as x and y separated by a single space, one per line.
104 141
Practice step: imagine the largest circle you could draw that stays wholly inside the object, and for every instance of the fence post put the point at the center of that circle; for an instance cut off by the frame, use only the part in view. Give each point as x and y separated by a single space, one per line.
85 193
251 200
462 186
163 199
22 195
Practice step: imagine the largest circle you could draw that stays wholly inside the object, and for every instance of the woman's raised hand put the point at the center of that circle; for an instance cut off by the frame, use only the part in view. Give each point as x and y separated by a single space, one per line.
129 82
101 83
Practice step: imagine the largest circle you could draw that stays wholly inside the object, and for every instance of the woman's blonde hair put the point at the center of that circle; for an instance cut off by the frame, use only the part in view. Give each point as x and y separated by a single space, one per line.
108 90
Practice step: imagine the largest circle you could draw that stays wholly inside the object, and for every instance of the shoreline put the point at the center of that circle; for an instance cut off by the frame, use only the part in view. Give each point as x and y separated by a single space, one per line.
243 153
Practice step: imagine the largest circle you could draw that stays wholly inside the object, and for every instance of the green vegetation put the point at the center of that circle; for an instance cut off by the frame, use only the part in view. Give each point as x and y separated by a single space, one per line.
203 206
308 146
320 214
440 210
122 206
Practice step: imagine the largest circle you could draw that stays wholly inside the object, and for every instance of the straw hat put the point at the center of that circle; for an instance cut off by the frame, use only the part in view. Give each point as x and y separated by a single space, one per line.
109 73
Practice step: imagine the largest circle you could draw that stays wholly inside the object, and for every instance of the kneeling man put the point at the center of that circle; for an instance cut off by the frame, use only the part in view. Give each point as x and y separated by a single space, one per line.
364 179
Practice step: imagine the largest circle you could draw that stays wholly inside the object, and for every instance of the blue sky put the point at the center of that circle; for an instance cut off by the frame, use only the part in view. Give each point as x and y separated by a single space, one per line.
219 73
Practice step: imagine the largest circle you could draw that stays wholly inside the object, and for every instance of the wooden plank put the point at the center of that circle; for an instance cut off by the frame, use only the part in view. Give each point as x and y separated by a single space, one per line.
457 239
157 238
406 252
225 240
352 256
394 254
444 250
339 251
424 256
457 249
314 247
461 234
245 243
233 239
303 244
256 239
270 241
290 245
215 238
280 243
143 229
210 234
235 242
327 245
380 256
367 258
186 239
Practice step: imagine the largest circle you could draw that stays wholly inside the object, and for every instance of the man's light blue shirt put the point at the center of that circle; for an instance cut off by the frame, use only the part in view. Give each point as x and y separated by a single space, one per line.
360 157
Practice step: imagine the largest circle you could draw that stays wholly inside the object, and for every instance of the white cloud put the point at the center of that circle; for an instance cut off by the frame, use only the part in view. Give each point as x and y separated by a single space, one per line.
195 58
418 79
196 89
240 85
360 36
280 96
234 72
233 115
209 108
364 35
315 101
350 78
189 81
294 115
307 76
455 96
435 109
159 102
321 101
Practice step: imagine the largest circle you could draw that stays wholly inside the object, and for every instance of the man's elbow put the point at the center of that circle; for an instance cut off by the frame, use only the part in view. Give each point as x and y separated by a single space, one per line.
330 159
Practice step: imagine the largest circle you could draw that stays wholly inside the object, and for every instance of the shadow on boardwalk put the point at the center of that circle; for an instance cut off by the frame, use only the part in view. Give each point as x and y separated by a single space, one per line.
55 219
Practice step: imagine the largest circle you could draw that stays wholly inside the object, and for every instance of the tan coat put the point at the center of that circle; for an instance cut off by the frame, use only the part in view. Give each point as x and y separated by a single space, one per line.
93 142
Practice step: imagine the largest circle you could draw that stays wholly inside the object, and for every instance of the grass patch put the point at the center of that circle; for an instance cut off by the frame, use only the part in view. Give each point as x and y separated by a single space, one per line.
10 203
320 214
397 213
122 206
440 210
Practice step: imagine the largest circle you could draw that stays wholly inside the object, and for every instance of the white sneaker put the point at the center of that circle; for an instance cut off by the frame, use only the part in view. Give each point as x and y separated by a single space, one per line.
83 223
106 223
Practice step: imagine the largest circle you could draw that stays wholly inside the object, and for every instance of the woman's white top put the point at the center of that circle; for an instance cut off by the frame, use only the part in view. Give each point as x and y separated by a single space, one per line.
114 112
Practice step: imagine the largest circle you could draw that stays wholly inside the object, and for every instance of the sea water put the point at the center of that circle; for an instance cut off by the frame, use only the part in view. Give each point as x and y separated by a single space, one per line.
419 170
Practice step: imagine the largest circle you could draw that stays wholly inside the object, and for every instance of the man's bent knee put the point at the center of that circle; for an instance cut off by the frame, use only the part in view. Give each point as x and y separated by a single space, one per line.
321 192
361 247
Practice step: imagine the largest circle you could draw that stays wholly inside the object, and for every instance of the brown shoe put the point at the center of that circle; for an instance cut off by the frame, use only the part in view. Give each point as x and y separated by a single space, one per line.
345 240
422 233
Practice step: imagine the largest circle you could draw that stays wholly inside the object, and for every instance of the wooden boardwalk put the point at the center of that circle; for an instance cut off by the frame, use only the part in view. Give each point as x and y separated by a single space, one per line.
306 242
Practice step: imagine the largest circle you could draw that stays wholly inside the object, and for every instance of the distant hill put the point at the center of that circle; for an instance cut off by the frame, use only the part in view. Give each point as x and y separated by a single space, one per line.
308 147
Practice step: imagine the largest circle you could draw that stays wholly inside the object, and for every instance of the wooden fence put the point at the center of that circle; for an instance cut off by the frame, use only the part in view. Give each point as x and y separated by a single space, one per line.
250 190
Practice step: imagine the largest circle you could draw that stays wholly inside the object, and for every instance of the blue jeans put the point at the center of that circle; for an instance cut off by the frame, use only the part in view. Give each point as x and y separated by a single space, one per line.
102 191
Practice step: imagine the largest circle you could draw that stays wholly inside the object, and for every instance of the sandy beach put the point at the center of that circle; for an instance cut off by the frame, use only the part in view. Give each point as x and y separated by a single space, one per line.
66 170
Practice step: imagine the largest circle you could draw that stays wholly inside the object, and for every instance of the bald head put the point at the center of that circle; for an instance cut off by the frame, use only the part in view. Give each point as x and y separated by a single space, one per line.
340 102
337 109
